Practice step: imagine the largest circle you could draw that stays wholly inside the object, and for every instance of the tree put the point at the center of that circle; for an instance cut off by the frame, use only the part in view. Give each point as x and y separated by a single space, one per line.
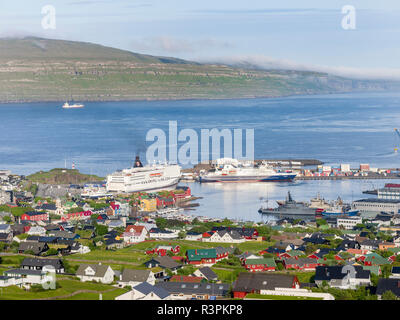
101 230
181 235
389 295
7 219
51 252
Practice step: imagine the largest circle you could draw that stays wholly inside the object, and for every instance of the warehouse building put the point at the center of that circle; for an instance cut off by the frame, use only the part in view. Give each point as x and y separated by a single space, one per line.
377 205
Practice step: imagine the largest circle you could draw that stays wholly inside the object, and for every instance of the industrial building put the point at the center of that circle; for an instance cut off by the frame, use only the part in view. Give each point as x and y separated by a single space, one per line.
377 205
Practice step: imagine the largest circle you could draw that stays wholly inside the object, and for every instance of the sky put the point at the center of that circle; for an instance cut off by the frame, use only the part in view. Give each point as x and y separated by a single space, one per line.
294 34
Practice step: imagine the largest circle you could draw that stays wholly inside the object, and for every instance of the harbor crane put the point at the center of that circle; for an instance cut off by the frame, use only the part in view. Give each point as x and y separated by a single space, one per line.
398 133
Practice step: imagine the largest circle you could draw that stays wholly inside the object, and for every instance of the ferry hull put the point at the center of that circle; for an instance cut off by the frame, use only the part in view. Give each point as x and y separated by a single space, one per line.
337 214
273 178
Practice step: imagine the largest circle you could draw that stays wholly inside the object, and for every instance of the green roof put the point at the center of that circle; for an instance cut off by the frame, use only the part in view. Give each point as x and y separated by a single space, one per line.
375 259
372 269
295 253
270 262
394 250
198 254
277 228
350 231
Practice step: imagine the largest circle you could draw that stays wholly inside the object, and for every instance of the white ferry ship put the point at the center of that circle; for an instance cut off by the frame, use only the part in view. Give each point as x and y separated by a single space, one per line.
72 106
144 178
232 170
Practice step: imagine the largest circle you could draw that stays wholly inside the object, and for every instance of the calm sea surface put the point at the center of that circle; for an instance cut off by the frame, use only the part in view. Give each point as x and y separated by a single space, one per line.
103 137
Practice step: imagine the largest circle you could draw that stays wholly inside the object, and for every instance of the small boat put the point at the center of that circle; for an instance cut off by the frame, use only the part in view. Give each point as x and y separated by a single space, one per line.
72 106
338 208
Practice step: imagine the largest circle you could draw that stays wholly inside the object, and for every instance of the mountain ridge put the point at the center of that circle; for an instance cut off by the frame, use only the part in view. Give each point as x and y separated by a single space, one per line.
37 69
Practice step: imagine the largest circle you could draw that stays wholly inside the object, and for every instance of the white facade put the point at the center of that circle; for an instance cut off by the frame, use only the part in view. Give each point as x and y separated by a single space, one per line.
377 205
226 238
90 275
348 223
193 237
37 231
345 167
137 295
151 280
163 235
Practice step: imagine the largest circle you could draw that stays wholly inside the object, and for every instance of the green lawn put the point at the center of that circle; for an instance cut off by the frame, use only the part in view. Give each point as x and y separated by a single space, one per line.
136 253
66 287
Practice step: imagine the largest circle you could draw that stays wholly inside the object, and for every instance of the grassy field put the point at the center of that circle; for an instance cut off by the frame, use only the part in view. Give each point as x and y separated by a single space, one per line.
66 287
62 176
135 254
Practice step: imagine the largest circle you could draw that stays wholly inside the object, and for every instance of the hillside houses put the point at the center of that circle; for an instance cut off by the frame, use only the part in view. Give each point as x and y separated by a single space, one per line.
95 272
131 277
342 277
134 234
259 282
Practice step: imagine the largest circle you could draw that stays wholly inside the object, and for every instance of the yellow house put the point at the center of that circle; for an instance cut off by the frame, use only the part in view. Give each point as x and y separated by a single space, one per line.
148 205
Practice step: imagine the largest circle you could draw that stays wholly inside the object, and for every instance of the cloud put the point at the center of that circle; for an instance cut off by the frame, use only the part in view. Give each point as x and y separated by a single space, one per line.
268 63
170 45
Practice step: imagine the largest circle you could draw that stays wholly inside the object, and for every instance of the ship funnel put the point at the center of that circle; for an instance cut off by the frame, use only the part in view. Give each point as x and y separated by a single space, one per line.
138 163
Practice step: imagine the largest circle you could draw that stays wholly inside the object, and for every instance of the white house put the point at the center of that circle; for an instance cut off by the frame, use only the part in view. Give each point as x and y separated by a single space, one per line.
349 222
145 291
134 234
147 225
193 236
157 233
130 277
26 277
5 228
36 231
225 236
95 272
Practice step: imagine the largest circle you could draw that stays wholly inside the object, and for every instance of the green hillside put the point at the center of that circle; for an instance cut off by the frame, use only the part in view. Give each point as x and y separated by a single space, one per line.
34 69
62 176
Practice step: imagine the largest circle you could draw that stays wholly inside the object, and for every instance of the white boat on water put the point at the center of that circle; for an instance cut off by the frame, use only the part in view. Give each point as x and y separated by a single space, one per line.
144 178
72 106
233 170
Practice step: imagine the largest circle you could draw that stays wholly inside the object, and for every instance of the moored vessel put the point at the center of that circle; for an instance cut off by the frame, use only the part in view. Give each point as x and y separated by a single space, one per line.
232 170
144 178
290 208
66 105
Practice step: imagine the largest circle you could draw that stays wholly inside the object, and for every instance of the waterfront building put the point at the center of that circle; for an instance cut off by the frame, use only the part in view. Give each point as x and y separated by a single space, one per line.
377 205
389 193
349 222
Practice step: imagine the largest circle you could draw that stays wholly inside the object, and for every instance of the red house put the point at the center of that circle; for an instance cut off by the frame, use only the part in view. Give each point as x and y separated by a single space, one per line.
265 264
163 250
186 194
301 263
35 216
249 282
76 215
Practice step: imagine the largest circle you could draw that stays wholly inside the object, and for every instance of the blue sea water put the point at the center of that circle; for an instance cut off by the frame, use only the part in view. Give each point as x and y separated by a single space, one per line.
105 136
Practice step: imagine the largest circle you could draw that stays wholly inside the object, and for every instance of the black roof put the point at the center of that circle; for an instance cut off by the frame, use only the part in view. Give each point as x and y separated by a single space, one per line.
247 282
396 270
327 273
208 273
32 262
147 288
388 285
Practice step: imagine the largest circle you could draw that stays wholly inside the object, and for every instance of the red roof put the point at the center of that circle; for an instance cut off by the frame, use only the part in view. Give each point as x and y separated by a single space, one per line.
178 278
134 229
